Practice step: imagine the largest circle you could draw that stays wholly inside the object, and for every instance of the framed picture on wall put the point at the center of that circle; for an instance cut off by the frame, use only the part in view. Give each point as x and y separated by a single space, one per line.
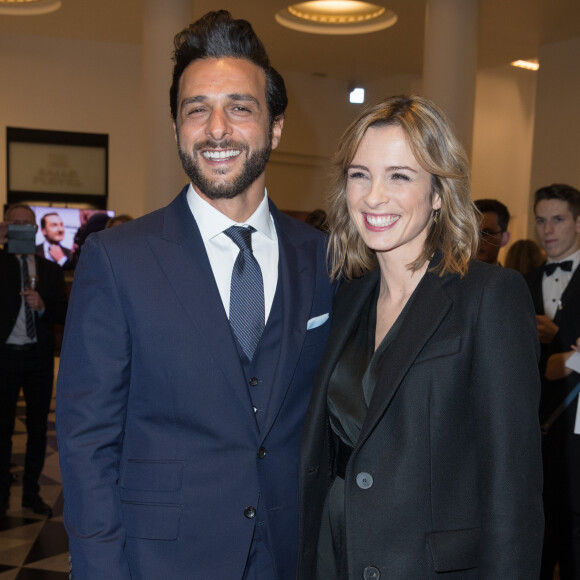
57 167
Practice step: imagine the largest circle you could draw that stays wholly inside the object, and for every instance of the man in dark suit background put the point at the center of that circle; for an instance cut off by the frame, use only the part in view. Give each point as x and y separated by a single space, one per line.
27 316
52 228
555 288
179 429
493 226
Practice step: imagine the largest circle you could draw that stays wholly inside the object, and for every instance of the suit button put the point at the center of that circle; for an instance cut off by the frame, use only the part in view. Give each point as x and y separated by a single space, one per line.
262 453
253 382
371 573
250 512
364 480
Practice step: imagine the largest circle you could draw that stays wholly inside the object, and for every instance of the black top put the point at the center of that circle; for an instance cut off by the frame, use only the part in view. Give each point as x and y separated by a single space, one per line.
353 381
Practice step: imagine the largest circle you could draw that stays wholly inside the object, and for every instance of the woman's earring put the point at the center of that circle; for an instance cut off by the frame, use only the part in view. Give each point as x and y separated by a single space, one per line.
436 214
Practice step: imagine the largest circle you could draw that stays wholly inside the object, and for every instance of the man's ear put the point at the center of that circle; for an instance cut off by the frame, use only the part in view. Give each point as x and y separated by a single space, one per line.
175 131
277 131
505 238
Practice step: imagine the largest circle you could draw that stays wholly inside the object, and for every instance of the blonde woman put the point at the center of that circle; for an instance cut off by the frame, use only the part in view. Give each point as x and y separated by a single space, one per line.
421 446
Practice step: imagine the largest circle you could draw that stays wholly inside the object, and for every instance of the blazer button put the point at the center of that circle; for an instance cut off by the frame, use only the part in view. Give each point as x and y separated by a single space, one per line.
364 480
371 573
253 382
250 512
262 453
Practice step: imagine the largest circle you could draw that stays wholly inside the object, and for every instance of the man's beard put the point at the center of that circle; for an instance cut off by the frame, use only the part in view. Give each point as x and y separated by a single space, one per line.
254 166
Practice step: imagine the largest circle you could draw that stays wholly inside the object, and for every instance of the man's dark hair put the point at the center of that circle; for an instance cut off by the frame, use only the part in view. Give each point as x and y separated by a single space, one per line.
43 218
218 35
497 207
562 192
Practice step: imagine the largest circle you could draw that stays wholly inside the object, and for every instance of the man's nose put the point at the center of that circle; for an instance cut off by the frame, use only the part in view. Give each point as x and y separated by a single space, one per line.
218 125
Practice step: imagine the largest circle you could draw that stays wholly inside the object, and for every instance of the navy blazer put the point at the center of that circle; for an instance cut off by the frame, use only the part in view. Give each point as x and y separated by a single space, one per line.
450 443
157 435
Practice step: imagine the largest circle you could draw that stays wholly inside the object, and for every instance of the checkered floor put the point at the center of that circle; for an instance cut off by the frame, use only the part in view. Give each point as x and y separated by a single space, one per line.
33 547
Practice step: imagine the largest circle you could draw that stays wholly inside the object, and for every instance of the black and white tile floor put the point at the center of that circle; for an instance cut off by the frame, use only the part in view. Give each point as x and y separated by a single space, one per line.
33 547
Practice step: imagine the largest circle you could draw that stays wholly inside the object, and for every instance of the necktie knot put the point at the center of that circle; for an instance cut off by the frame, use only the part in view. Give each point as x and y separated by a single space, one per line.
550 268
241 236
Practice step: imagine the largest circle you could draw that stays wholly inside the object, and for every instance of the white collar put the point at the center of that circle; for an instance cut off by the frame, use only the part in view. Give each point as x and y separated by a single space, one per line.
212 222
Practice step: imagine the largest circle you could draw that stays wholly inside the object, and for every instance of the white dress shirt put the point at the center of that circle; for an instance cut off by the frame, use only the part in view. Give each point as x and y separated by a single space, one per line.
553 286
222 251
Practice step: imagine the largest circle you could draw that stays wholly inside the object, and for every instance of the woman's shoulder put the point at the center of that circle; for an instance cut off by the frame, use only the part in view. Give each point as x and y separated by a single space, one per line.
482 277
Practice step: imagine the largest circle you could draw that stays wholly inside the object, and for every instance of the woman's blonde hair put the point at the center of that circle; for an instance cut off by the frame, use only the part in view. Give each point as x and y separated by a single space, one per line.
454 230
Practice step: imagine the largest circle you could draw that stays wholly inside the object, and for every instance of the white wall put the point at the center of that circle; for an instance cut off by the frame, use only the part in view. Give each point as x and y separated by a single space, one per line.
317 115
502 142
556 154
71 85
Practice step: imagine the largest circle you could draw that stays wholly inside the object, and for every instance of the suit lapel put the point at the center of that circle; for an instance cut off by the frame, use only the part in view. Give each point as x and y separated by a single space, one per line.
181 254
430 306
571 292
296 281
535 278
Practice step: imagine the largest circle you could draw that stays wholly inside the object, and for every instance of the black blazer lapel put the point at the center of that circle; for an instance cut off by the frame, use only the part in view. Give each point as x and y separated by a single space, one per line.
430 306
350 300
534 281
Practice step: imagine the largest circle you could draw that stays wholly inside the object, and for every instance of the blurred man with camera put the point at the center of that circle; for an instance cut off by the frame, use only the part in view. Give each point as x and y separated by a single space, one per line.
32 300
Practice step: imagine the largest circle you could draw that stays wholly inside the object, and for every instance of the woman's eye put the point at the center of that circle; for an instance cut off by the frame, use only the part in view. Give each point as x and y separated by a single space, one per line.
400 176
356 175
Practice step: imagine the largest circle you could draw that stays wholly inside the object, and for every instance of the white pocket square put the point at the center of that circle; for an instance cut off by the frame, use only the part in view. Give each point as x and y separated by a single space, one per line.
317 321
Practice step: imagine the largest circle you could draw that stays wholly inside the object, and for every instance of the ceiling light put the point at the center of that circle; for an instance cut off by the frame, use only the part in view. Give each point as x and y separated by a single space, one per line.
356 95
529 64
336 17
28 7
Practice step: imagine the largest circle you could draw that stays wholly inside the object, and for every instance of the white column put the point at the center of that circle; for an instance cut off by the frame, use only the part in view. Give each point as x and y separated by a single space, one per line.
164 176
450 61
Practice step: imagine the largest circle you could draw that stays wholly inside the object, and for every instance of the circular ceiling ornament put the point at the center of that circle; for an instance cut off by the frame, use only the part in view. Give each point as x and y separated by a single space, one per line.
28 7
336 17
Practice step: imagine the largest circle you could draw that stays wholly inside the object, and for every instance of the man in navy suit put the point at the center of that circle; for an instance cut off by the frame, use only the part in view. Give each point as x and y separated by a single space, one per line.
179 450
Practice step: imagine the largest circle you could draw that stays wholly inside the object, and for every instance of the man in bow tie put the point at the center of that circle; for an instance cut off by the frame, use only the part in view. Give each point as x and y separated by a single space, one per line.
555 288
191 346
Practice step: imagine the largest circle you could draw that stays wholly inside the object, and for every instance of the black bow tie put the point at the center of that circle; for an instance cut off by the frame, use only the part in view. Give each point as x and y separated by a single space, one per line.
553 266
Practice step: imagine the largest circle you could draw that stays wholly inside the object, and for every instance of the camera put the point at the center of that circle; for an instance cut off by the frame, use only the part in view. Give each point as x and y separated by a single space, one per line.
21 239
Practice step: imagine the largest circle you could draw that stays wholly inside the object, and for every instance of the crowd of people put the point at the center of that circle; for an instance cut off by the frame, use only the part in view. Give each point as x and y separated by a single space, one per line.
242 395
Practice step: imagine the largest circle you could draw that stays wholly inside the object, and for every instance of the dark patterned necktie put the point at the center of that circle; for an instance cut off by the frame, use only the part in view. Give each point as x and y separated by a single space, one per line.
247 292
30 325
566 266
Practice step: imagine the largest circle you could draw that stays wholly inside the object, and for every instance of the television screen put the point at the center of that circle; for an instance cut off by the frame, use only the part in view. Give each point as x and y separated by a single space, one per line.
62 231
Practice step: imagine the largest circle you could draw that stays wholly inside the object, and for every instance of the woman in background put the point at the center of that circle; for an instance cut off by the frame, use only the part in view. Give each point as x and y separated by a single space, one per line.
421 445
523 256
